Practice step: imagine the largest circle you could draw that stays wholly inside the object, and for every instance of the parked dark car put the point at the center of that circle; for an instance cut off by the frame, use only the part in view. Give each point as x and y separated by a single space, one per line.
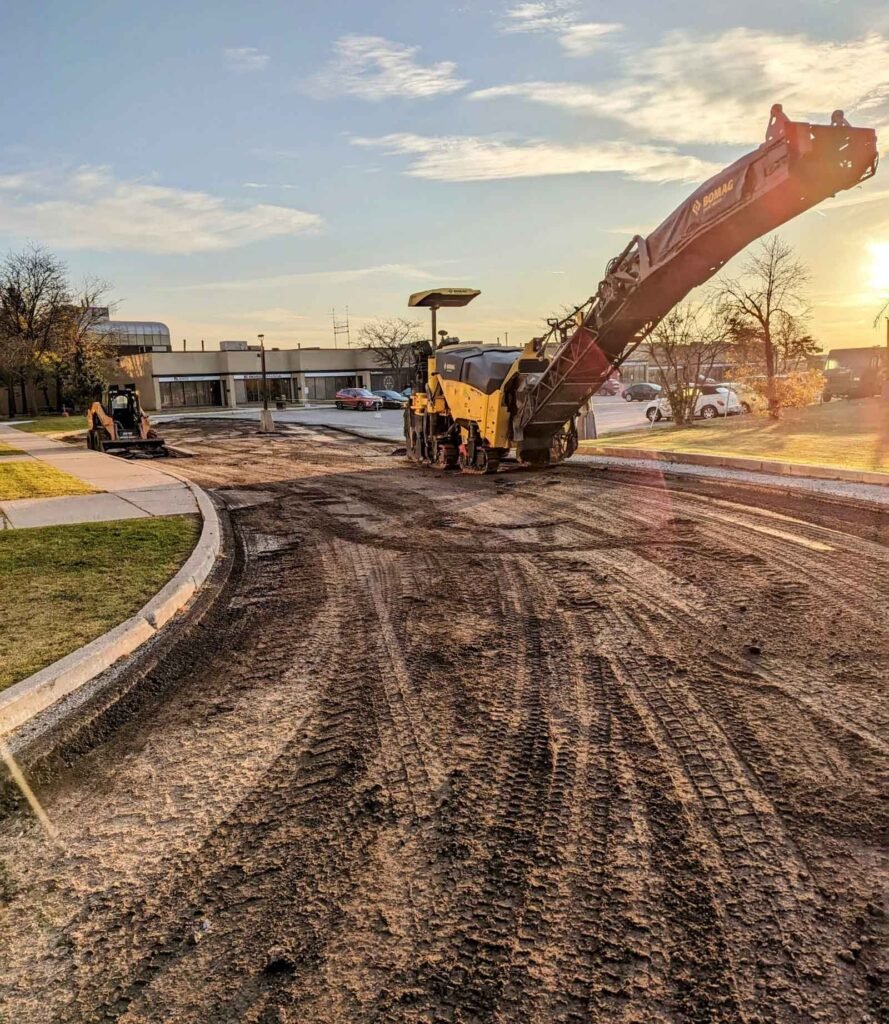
391 399
642 392
358 398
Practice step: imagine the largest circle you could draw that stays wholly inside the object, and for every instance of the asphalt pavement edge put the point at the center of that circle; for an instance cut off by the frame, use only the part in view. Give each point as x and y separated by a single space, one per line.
754 465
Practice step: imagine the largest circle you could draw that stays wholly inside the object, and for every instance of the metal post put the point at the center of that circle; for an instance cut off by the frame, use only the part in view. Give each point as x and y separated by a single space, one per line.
433 310
265 380
266 423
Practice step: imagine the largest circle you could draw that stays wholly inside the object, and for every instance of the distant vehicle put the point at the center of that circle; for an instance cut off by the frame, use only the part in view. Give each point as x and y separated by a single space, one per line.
408 392
855 372
612 386
713 401
643 391
358 398
391 399
751 400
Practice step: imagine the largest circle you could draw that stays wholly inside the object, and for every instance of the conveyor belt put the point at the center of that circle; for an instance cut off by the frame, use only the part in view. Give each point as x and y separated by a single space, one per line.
797 167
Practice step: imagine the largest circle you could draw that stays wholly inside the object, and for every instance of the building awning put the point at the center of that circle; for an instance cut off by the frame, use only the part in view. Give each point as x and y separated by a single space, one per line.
258 376
184 378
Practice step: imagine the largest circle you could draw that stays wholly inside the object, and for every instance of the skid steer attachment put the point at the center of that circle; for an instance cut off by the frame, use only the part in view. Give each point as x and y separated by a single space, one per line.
118 425
470 408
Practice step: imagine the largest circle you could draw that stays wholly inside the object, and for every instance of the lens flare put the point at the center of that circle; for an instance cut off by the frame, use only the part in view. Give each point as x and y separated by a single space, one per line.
879 267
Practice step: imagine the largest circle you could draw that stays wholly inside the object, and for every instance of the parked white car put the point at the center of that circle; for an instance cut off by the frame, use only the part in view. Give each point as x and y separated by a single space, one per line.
713 401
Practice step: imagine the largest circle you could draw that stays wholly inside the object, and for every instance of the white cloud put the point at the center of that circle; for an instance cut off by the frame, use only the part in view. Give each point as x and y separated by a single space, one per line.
90 209
559 17
587 37
403 270
540 16
246 58
467 158
718 89
373 68
264 184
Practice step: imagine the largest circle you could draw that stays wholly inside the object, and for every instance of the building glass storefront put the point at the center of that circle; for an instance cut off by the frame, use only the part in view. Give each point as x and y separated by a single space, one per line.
324 388
248 390
183 393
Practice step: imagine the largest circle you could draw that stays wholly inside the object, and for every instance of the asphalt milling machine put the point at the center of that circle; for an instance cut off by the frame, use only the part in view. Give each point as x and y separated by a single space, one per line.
118 425
473 404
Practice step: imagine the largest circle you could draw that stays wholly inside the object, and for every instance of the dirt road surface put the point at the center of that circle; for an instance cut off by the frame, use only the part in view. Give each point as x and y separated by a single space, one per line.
542 747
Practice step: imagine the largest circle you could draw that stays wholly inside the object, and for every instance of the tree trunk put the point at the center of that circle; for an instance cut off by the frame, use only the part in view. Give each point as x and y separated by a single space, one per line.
60 399
10 391
23 383
769 349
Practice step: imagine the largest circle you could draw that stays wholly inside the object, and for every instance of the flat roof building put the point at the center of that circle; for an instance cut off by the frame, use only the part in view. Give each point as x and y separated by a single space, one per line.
228 379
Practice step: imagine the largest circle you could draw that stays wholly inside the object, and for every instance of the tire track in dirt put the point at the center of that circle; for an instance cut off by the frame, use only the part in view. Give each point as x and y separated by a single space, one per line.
479 750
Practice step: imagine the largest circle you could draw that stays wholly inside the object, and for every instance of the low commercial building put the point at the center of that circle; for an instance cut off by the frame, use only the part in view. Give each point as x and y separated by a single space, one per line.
232 378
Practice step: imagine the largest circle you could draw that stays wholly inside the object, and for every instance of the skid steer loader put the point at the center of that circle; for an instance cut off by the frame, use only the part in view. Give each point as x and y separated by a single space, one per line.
118 425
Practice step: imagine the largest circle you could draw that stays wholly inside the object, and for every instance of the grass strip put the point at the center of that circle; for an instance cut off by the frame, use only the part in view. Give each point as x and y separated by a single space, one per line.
65 585
847 434
51 424
34 479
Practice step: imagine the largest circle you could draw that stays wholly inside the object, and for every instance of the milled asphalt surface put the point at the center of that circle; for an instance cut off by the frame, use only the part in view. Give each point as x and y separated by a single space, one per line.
613 415
565 746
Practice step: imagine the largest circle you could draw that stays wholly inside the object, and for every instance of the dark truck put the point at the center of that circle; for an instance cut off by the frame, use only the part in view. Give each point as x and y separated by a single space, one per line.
855 372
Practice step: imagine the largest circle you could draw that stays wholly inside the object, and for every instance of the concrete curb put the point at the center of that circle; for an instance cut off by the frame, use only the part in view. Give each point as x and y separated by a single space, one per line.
852 476
23 700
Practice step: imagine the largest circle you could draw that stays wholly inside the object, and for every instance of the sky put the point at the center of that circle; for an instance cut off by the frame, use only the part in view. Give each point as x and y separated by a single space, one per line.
236 168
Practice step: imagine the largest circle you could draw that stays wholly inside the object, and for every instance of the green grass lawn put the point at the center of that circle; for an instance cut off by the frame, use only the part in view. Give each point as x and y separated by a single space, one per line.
51 424
65 585
33 479
851 434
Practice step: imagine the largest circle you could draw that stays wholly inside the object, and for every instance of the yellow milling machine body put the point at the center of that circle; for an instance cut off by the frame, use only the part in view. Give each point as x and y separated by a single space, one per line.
473 403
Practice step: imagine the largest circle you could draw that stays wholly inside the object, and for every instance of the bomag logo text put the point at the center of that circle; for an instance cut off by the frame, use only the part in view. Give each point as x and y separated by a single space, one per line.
714 196
450 366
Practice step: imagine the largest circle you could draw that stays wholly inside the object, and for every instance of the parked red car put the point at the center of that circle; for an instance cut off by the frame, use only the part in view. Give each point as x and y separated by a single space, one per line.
612 386
358 398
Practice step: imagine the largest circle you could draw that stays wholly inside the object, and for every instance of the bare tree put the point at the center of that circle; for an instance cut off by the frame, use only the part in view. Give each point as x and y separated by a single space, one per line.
47 334
391 340
33 294
767 301
683 347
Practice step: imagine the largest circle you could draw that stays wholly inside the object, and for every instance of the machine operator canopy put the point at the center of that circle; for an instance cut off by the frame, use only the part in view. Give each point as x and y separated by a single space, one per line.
441 297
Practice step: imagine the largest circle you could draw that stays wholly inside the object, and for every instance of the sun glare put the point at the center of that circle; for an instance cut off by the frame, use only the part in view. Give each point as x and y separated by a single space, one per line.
879 267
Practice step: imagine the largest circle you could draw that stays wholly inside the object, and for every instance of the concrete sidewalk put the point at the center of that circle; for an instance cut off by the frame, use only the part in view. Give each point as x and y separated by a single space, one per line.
128 489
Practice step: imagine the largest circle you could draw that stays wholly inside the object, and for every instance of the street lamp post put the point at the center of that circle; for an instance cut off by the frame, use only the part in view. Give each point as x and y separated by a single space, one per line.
266 421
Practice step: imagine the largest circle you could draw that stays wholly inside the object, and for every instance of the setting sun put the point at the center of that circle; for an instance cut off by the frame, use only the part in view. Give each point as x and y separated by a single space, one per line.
879 268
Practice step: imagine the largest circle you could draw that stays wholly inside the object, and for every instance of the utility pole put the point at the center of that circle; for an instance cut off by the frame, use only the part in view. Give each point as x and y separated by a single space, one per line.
341 327
266 422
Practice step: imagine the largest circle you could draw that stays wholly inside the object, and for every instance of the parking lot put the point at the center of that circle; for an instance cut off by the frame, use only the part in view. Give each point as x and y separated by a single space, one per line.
612 415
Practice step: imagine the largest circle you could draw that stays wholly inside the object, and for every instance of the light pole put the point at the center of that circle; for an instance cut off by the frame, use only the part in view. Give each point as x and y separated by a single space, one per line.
266 422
